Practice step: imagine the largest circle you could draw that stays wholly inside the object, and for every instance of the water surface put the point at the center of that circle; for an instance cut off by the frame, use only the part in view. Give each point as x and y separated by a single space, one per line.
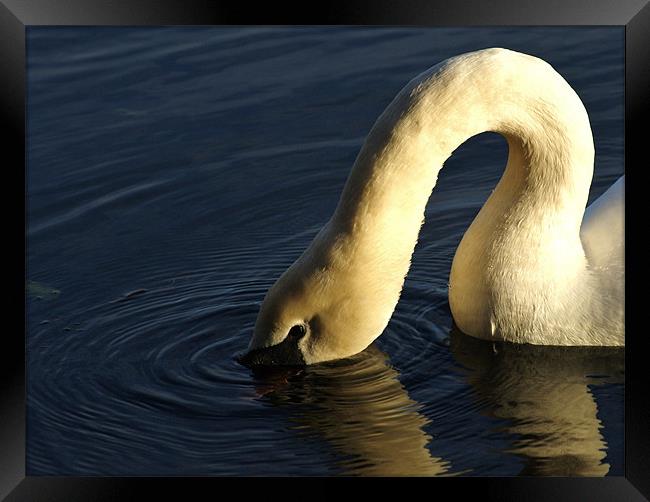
174 173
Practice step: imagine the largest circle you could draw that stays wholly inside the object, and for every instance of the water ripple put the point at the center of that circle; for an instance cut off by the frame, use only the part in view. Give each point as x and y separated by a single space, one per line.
174 174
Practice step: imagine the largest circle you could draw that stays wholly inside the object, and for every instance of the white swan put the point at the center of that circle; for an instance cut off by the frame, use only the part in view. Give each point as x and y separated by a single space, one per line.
524 272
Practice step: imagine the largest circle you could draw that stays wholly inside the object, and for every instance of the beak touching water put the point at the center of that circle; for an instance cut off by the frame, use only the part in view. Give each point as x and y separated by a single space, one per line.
285 353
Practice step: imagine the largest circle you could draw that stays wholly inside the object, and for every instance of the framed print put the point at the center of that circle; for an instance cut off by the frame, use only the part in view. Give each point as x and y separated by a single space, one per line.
310 245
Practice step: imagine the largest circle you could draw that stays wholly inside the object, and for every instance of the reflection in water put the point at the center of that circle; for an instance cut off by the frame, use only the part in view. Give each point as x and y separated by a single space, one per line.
360 408
540 394
543 394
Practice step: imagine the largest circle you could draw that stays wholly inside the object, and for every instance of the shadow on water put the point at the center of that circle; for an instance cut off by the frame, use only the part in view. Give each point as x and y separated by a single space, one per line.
540 396
543 394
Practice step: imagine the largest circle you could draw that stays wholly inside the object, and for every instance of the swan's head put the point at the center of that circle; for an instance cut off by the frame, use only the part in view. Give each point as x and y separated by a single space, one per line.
323 307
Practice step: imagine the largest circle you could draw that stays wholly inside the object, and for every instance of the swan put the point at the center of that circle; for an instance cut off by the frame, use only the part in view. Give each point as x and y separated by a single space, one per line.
529 269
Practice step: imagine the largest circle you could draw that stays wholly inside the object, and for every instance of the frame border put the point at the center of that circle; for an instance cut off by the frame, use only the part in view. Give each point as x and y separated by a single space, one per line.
17 15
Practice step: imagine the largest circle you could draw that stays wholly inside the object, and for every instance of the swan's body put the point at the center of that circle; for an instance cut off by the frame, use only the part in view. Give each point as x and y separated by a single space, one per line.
521 273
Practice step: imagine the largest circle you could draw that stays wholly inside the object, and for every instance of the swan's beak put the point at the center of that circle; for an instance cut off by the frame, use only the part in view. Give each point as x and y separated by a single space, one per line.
282 354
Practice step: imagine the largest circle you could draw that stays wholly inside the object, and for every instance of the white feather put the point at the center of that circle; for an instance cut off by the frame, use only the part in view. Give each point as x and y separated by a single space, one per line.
520 274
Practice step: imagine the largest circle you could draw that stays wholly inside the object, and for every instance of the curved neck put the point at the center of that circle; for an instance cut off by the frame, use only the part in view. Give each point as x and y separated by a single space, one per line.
550 162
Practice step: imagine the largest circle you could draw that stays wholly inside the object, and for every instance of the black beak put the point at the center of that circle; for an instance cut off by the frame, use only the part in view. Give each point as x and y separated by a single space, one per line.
286 353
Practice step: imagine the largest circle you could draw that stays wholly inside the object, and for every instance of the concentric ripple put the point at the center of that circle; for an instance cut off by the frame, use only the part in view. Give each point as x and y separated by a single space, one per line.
175 173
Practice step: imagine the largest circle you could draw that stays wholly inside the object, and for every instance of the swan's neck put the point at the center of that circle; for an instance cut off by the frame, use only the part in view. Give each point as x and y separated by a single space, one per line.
526 237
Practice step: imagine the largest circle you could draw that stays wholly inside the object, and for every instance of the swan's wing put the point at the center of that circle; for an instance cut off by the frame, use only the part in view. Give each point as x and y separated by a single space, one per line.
603 228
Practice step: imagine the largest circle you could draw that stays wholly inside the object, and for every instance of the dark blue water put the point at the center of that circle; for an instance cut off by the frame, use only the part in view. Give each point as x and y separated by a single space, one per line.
174 173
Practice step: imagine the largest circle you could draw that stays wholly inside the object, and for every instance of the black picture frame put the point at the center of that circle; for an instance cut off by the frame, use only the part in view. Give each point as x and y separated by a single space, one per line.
17 15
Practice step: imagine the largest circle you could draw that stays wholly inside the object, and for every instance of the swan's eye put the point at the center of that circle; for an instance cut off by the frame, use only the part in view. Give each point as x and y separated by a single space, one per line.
297 332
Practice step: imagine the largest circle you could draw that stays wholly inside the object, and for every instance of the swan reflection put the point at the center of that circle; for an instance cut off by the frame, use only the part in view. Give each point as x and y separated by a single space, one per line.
540 395
544 395
362 411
